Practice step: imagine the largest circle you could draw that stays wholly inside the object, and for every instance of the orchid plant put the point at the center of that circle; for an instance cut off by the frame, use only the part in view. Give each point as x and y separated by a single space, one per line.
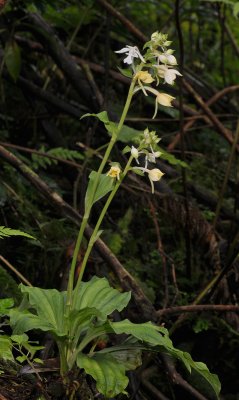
78 317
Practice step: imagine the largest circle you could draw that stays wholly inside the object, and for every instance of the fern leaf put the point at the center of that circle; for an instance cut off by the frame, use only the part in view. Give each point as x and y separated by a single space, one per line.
66 154
6 232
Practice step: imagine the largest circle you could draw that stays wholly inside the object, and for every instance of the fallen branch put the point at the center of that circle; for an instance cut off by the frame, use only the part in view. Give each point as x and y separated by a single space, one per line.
210 102
125 21
198 308
224 132
177 379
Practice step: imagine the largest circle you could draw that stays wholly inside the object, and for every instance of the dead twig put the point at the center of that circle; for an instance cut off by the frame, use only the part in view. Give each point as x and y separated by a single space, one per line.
125 21
145 375
224 132
210 102
15 270
40 153
177 379
198 308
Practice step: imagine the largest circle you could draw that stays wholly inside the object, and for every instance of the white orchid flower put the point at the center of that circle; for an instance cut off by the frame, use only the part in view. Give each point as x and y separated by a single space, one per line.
169 74
167 58
132 52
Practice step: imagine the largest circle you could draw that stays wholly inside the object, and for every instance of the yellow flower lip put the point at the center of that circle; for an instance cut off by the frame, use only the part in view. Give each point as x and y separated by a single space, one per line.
114 172
143 76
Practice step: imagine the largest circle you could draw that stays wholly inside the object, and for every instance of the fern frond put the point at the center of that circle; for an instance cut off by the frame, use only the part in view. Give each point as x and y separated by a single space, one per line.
6 232
40 161
66 154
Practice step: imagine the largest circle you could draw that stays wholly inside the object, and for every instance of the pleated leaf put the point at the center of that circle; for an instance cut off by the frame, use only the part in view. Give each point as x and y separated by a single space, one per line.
97 293
49 305
157 336
145 332
108 373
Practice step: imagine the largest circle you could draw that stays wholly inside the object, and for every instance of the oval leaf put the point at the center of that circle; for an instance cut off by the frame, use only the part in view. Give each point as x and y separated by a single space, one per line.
98 294
105 185
109 375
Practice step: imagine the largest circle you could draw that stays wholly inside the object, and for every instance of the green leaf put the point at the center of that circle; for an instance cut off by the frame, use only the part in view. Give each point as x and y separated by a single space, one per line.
158 336
236 9
5 348
5 304
126 354
126 149
81 321
146 332
126 72
12 57
6 232
108 373
98 294
24 321
102 116
19 339
202 378
171 158
105 185
49 305
128 134
21 359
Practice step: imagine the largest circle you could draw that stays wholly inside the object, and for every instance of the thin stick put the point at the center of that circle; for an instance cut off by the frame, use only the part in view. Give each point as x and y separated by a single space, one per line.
198 308
16 272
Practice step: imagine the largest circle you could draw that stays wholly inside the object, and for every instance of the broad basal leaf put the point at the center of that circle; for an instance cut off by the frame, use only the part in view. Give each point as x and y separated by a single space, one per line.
24 321
128 353
146 332
108 373
81 320
49 305
202 378
158 337
98 294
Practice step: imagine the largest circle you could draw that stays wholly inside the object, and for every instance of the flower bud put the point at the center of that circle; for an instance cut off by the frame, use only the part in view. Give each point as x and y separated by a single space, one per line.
155 174
134 152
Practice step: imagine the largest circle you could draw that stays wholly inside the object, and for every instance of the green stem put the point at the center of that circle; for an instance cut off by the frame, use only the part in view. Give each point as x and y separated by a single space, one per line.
91 199
97 226
63 361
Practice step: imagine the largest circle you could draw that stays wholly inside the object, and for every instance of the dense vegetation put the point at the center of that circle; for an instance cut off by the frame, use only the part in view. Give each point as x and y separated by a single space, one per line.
176 250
